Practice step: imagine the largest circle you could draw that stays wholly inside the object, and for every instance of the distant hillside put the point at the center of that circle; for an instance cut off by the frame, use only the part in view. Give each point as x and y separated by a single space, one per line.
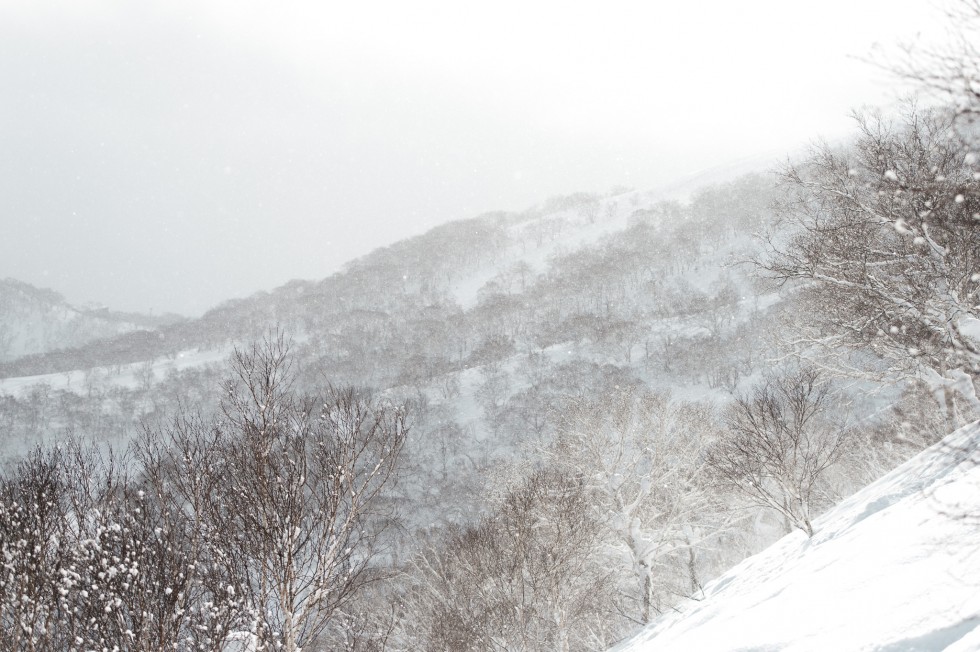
486 325
540 276
37 320
507 339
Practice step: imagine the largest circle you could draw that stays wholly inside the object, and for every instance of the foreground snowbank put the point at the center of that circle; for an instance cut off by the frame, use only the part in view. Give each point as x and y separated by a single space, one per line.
895 567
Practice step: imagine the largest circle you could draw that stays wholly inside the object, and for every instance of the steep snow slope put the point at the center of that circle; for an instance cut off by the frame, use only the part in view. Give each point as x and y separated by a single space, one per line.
895 567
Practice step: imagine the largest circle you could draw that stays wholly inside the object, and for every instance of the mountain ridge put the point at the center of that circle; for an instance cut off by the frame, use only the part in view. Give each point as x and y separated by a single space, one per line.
36 321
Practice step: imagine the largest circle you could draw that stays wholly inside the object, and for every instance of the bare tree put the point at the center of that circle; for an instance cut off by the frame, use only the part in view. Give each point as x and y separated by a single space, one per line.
523 578
35 547
949 69
182 469
264 523
145 375
492 393
302 479
779 445
639 455
884 253
92 561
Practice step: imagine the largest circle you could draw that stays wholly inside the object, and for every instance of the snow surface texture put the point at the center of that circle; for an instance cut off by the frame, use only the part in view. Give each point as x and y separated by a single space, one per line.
893 568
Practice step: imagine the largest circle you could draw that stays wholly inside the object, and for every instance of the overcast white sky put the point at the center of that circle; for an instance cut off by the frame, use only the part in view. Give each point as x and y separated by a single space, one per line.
169 155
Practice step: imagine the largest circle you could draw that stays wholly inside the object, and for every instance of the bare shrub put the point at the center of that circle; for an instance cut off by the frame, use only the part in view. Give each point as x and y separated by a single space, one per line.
780 444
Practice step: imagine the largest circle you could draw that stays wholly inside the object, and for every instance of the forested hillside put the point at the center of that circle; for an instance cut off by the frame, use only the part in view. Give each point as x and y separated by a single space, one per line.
596 286
536 430
38 321
564 407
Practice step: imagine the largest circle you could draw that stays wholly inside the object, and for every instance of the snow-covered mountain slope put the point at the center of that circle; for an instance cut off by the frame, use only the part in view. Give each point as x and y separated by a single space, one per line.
37 320
895 567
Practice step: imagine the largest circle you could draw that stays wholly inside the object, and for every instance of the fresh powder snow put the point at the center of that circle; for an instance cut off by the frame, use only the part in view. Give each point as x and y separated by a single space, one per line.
893 568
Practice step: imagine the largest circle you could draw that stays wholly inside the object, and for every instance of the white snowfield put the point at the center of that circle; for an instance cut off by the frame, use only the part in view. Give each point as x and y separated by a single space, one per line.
893 568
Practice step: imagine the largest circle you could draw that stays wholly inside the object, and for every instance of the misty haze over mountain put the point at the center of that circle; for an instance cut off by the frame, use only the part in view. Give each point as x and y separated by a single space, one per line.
169 155
519 327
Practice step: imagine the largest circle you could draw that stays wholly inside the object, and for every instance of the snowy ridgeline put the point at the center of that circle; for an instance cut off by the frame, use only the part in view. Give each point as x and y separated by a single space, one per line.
895 567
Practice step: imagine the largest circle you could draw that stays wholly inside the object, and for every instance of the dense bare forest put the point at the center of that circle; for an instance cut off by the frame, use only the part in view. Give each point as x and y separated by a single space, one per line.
533 430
